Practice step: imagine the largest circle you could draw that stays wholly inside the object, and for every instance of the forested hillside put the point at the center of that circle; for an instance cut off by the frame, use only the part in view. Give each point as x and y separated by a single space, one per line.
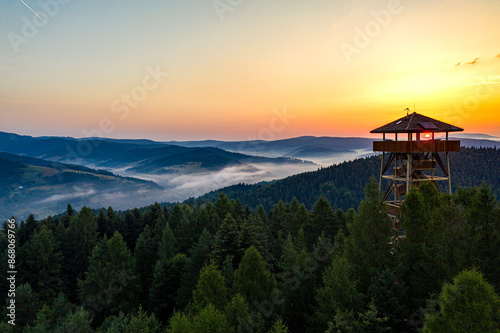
222 267
342 185
34 185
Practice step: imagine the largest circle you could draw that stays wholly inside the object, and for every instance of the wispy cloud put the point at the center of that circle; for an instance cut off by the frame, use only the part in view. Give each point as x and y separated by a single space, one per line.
65 197
473 62
478 61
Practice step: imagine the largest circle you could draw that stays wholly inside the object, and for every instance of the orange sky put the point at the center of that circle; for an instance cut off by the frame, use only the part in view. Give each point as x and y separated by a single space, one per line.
265 69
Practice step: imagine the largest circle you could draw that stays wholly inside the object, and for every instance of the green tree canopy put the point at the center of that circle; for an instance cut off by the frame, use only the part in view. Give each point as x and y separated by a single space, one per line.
470 304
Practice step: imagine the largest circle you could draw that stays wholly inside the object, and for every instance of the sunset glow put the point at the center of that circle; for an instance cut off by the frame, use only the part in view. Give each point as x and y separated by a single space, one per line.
168 70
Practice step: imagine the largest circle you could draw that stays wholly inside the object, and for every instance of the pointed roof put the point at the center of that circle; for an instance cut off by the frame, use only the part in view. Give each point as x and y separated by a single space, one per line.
416 122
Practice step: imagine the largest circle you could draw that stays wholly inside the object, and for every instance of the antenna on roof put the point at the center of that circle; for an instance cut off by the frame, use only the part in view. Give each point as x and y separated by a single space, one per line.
413 106
407 111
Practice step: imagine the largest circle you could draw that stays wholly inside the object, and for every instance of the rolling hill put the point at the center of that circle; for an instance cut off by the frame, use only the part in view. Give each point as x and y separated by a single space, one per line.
134 156
34 185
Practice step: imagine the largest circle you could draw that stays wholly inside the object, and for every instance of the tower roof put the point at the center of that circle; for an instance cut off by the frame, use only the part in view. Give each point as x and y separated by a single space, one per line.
415 123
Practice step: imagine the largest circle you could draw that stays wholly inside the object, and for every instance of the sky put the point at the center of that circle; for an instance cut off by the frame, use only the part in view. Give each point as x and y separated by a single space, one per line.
241 69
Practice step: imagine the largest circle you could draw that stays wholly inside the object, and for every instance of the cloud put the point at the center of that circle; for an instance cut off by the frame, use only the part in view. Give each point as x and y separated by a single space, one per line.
478 62
66 197
473 62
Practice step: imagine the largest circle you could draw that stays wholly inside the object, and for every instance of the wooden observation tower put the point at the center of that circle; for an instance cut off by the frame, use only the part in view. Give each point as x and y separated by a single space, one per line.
414 156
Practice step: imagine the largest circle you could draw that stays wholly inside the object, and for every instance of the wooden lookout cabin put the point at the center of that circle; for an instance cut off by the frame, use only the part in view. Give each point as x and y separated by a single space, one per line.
415 152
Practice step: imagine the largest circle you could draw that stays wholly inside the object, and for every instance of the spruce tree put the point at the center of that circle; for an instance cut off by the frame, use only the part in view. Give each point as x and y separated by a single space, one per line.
199 255
470 304
165 287
146 254
228 241
168 244
223 205
322 220
211 288
44 259
368 247
252 279
338 293
110 283
83 235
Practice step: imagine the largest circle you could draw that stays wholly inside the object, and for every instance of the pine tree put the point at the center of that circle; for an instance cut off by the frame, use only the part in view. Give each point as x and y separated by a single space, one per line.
27 305
223 205
279 327
263 215
237 313
238 210
26 229
50 317
350 322
146 254
204 221
228 241
470 304
110 283
418 266
77 322
368 247
130 229
296 280
290 279
252 279
322 220
295 221
142 323
389 298
165 287
338 293
83 238
484 233
44 259
179 323
111 222
199 255
249 237
103 225
70 211
168 244
279 220
152 214
185 232
211 289
210 320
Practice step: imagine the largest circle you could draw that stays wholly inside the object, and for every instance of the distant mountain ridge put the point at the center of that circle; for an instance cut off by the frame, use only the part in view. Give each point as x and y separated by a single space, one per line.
300 147
139 156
